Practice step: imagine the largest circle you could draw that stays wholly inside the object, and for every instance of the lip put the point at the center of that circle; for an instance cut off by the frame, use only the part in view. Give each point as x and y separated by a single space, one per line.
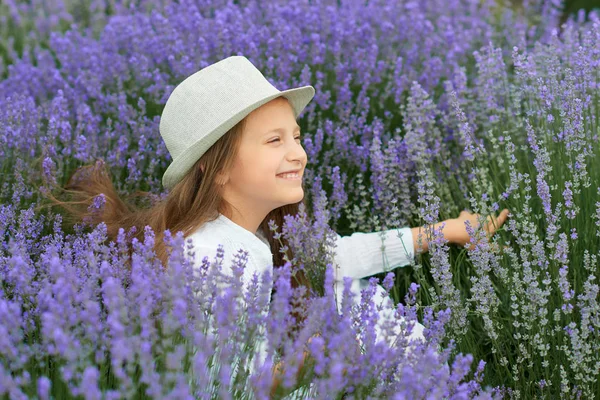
291 172
299 178
291 179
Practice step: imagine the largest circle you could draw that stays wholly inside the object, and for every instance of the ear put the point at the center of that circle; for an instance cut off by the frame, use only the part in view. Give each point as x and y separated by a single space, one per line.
222 178
202 168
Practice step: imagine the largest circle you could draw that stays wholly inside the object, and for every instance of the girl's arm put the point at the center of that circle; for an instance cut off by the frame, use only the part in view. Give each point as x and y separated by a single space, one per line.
365 254
455 231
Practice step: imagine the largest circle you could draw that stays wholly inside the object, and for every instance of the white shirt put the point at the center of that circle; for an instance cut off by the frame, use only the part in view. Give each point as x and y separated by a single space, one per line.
357 256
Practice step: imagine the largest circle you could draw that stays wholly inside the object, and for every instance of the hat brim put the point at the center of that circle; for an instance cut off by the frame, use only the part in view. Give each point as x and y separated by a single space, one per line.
299 98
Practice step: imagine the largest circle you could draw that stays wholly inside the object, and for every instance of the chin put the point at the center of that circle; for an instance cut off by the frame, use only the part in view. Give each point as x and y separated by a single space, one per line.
297 199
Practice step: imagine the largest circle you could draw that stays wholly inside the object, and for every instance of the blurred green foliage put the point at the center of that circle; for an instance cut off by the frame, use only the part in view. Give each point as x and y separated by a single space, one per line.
573 6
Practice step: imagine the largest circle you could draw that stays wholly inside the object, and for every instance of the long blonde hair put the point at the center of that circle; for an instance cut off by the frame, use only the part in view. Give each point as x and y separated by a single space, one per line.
192 202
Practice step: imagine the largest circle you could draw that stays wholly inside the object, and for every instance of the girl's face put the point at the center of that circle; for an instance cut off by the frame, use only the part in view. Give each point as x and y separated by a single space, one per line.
270 145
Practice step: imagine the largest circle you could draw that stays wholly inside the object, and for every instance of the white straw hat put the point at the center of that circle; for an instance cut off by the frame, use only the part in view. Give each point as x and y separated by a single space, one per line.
208 103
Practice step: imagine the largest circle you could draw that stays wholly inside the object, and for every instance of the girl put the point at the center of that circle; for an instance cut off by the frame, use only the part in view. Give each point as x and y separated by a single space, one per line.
237 164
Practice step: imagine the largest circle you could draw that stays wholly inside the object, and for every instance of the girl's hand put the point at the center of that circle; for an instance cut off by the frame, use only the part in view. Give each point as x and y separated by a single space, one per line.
458 231
279 369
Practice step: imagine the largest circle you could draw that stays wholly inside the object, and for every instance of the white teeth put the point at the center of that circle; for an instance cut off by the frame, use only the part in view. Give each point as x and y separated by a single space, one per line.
294 175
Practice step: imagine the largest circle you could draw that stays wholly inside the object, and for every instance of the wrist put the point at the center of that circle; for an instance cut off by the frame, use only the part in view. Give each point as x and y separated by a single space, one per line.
450 230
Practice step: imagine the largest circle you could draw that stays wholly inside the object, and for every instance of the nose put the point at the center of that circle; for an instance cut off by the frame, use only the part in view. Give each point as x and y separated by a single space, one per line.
297 153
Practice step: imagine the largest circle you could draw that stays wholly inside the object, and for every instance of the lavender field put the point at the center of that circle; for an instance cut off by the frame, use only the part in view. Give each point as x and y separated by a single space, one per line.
422 109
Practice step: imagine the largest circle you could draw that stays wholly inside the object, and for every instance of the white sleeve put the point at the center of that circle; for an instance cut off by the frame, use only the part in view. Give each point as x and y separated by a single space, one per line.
361 255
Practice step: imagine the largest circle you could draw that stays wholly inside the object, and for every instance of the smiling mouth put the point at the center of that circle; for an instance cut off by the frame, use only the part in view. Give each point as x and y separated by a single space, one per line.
290 176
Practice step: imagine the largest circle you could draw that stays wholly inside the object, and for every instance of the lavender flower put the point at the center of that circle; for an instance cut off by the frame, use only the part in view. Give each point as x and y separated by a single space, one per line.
421 110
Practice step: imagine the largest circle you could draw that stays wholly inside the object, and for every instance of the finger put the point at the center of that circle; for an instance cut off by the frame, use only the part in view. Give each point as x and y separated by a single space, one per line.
502 217
499 220
491 224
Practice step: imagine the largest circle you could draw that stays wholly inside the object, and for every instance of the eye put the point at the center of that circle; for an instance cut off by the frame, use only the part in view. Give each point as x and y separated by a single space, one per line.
277 139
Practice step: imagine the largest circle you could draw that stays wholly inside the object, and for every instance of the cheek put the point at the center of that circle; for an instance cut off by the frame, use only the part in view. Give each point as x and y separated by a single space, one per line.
257 176
258 171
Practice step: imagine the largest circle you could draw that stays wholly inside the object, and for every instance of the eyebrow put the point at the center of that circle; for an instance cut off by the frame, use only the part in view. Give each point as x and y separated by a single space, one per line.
281 130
